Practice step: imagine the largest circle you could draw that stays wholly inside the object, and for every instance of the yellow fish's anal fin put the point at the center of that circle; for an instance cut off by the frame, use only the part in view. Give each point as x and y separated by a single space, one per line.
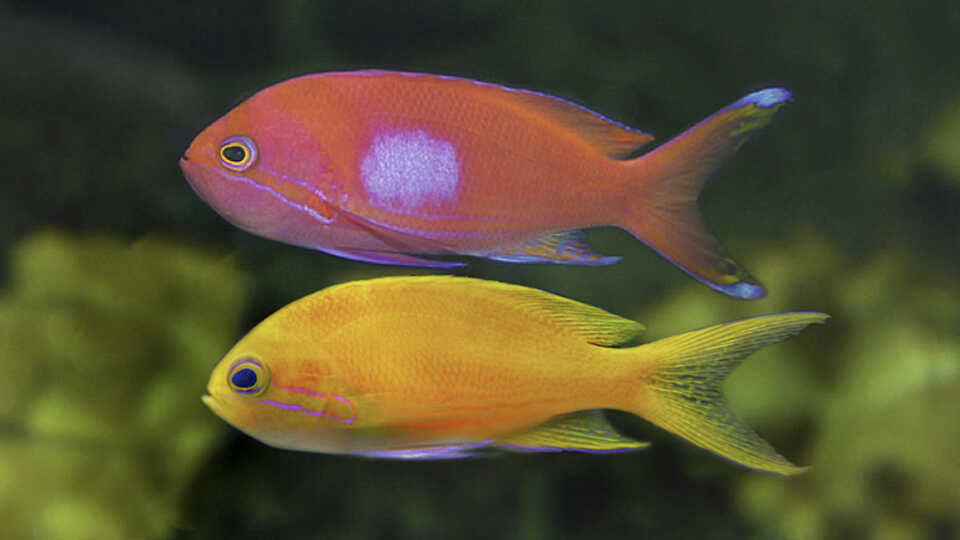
681 391
568 247
584 431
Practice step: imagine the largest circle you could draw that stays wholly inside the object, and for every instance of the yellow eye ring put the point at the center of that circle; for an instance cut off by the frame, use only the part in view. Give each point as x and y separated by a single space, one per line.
248 376
238 153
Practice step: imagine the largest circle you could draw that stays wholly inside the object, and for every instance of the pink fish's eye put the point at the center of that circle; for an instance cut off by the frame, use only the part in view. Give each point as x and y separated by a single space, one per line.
248 376
238 153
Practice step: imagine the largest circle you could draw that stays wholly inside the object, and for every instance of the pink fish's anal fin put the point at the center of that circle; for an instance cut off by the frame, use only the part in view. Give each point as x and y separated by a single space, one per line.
569 247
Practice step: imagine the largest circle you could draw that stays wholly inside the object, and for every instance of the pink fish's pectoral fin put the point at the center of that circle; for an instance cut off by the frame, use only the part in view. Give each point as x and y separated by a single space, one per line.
431 452
397 245
387 257
568 247
584 431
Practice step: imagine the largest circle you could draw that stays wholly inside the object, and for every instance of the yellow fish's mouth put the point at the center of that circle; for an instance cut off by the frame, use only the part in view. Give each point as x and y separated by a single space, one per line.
212 403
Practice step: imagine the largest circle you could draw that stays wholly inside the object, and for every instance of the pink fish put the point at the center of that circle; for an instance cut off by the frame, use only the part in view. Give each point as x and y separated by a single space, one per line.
377 166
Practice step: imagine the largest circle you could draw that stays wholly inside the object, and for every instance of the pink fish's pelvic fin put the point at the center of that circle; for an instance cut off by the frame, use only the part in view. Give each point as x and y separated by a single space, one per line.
585 431
664 212
386 257
569 247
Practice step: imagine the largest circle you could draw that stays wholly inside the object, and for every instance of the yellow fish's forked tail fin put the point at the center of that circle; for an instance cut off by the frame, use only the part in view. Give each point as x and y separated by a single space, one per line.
682 386
663 210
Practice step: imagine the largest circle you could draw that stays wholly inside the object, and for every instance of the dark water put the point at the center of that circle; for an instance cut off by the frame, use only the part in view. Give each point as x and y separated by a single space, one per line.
121 289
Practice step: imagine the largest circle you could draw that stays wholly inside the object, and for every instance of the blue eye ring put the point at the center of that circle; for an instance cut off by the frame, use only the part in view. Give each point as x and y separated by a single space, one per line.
238 153
248 377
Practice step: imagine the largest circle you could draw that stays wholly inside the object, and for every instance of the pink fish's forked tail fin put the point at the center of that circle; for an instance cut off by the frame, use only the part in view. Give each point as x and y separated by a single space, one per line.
663 212
681 391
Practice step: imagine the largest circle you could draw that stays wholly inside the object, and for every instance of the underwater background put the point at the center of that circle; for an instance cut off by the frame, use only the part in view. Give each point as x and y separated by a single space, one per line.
120 289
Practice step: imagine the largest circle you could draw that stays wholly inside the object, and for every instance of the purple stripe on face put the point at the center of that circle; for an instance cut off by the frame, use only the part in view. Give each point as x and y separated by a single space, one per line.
292 204
291 407
318 395
311 412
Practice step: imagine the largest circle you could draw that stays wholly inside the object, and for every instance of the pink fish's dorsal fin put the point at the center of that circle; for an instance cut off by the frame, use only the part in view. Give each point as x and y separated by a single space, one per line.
609 137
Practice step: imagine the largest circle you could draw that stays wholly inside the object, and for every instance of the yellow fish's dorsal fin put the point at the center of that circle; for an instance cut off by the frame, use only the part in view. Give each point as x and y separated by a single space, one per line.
607 136
584 431
593 324
681 391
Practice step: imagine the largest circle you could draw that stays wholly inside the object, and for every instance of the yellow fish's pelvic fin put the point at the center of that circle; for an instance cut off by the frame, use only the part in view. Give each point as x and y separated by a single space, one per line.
569 247
682 386
663 212
584 431
430 452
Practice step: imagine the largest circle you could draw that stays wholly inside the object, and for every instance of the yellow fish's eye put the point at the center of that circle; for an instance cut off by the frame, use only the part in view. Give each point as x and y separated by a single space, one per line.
248 376
238 153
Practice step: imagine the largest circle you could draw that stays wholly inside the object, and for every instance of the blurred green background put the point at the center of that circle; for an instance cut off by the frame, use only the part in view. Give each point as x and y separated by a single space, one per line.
121 289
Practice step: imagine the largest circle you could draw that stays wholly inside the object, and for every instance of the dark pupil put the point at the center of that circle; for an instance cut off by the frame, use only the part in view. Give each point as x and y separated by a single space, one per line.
234 154
245 378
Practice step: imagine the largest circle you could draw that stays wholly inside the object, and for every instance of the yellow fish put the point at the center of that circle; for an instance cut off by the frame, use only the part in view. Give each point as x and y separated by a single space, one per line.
439 367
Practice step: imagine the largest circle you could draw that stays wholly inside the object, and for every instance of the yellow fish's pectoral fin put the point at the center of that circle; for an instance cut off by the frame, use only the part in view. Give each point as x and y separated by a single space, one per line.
568 247
584 431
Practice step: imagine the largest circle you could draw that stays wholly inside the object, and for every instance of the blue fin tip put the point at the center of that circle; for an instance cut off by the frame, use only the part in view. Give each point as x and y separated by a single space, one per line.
767 98
747 291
